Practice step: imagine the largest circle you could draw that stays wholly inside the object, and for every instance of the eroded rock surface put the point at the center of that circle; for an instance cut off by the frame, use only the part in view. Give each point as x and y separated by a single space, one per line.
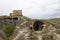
37 30
29 29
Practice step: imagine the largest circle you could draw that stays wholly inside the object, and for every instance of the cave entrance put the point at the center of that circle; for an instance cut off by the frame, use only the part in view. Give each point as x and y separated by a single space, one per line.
37 25
15 18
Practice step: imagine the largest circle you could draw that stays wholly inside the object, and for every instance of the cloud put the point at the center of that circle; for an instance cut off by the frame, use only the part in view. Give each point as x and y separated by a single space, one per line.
32 8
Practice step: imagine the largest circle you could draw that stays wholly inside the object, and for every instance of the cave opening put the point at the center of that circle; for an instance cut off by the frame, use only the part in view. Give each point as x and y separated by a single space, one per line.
15 18
37 25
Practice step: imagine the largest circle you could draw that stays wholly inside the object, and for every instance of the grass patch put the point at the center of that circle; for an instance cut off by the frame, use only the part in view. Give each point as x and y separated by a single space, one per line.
8 31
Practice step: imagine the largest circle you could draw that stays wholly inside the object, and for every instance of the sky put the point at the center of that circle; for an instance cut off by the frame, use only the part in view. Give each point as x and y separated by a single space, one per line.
35 9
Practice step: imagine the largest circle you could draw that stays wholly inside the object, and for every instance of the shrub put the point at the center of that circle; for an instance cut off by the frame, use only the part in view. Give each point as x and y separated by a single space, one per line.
8 30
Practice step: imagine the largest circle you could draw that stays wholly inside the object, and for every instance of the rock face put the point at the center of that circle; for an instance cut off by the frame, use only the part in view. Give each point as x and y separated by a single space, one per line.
2 35
38 30
30 29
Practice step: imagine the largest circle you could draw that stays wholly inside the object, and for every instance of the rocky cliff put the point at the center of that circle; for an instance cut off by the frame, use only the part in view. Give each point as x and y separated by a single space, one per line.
23 28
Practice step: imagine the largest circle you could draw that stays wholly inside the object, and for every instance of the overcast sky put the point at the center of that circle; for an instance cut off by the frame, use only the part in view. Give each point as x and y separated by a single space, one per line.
37 9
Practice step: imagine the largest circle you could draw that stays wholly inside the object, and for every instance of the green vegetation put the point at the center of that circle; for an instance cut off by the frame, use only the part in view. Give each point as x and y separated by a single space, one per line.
8 30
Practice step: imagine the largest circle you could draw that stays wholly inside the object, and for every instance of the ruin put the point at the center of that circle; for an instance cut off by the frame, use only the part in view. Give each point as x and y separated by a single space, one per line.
16 13
29 29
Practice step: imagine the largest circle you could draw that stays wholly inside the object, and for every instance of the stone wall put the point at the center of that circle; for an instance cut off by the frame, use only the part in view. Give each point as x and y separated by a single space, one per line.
16 13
